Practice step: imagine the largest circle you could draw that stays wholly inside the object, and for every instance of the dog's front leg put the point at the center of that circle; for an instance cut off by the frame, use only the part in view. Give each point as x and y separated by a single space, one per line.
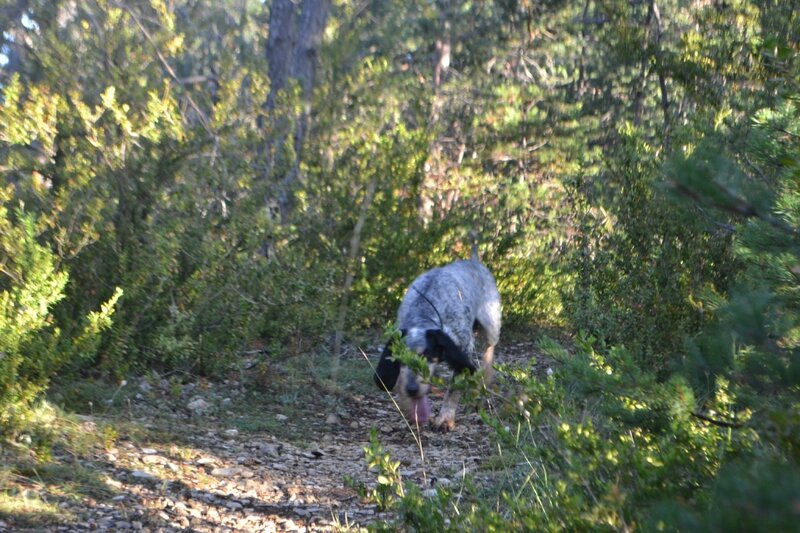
446 421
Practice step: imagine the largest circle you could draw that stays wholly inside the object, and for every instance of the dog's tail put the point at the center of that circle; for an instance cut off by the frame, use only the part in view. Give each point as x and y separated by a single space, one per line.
473 237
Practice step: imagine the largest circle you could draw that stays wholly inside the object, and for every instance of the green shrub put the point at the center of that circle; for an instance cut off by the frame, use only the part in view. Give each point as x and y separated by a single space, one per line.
30 284
644 260
32 347
758 495
600 445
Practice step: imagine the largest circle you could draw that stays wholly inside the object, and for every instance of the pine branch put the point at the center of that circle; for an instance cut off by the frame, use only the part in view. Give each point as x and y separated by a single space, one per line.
718 423
736 205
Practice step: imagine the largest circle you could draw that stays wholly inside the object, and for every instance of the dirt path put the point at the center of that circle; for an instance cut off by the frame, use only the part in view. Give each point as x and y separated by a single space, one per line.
223 474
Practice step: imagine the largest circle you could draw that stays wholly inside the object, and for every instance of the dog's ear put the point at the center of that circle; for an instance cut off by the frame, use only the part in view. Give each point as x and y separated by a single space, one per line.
388 370
450 352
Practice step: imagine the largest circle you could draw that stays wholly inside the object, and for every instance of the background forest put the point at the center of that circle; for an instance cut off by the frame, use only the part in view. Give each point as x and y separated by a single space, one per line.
185 180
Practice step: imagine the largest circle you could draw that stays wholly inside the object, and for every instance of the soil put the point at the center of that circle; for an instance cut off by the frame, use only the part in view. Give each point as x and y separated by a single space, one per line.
233 456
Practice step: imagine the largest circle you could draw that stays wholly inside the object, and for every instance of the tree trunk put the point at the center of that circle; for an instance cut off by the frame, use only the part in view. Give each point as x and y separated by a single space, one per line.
280 43
295 35
313 16
662 80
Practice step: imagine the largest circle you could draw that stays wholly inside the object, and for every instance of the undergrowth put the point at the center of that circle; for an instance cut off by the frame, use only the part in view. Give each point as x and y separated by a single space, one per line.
42 465
600 445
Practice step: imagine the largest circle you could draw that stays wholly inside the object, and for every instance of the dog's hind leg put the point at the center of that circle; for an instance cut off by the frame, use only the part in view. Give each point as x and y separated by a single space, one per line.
489 320
487 370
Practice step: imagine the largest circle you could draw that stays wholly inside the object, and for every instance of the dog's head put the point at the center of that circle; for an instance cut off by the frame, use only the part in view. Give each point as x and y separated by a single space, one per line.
436 346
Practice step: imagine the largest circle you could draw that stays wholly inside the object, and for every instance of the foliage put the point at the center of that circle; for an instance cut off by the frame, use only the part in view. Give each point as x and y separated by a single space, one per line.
33 348
601 445
745 497
631 169
644 258
129 197
157 185
31 285
390 486
401 353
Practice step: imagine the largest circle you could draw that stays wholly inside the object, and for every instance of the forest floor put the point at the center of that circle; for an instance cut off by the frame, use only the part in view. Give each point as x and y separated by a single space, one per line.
268 449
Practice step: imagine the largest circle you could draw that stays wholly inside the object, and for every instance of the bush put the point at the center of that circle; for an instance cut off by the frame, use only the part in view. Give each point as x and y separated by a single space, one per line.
32 347
758 495
644 260
29 287
600 445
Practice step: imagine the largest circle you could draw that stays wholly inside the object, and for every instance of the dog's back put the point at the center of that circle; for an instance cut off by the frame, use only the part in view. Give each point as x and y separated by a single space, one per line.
464 292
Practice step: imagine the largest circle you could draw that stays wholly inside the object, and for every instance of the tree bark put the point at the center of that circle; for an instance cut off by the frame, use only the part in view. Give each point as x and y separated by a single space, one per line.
295 35
662 80
582 75
280 43
442 60
313 16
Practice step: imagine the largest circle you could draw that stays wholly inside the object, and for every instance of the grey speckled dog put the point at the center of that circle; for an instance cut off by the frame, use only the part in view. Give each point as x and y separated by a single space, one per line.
437 318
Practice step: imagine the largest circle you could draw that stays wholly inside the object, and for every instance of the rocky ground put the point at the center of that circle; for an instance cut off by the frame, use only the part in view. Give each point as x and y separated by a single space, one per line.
219 457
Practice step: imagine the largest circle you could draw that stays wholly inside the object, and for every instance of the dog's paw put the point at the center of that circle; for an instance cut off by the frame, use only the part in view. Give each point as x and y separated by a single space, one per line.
444 423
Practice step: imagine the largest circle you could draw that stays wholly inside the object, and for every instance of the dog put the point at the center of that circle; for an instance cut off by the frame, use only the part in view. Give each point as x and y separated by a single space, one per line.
437 319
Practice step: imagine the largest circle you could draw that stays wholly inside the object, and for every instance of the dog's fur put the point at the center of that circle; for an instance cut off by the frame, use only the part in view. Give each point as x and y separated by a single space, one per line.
437 318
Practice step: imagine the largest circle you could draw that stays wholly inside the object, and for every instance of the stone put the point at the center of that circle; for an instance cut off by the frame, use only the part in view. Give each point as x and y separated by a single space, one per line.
269 449
198 406
226 472
141 474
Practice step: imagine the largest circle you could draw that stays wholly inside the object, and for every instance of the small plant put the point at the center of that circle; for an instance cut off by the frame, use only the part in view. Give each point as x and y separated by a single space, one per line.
416 510
390 484
34 510
402 353
420 365
110 436
175 387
